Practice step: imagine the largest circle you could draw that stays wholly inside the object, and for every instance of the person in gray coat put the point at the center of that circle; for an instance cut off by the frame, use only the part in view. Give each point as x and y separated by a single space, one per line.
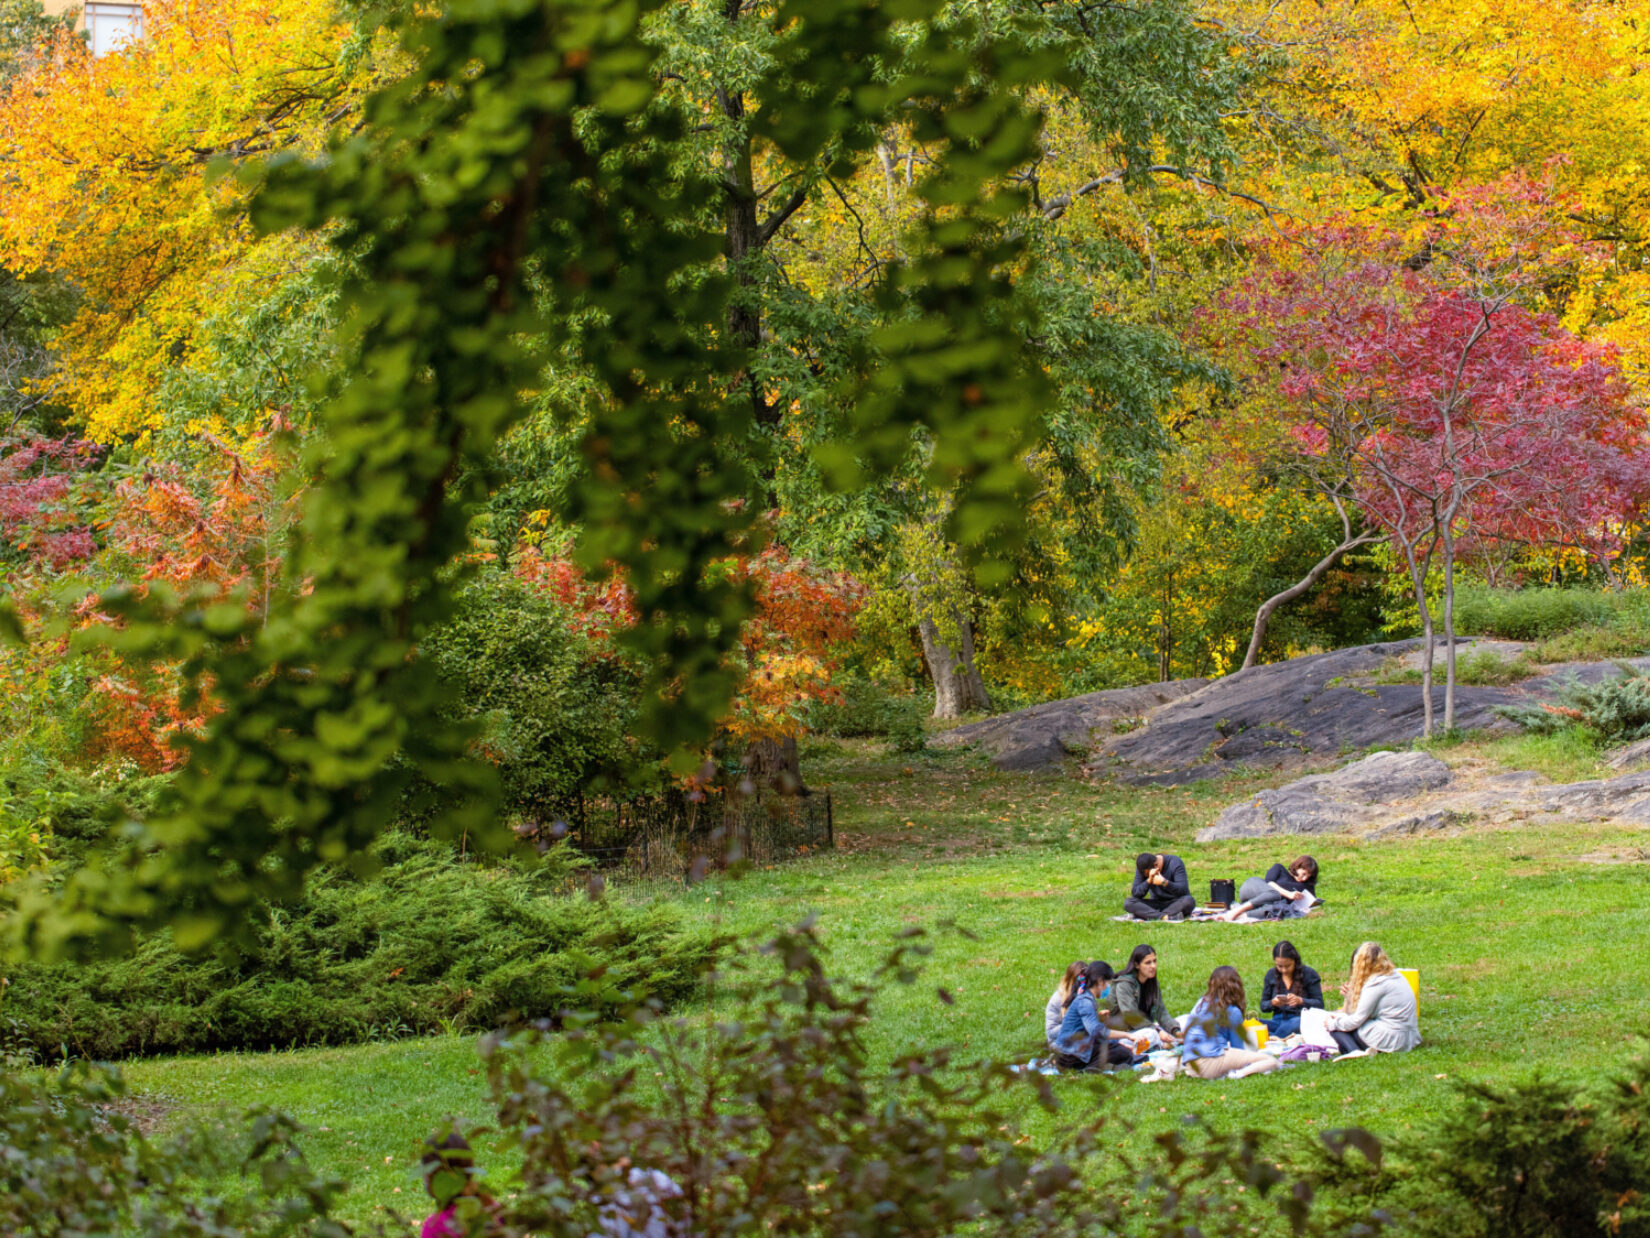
1379 1014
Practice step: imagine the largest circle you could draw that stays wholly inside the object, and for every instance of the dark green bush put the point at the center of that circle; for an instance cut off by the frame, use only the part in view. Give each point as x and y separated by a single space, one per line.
870 708
553 710
1536 1158
431 943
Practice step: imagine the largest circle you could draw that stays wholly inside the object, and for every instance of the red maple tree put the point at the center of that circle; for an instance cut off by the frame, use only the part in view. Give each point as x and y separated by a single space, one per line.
1456 411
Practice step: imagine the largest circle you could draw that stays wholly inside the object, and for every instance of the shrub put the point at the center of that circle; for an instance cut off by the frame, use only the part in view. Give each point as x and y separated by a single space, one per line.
1617 709
1537 1158
870 708
1531 614
50 813
72 1163
431 943
553 712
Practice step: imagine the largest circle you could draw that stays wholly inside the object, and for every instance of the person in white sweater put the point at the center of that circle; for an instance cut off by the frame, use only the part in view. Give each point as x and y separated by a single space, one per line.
1379 1013
1054 1013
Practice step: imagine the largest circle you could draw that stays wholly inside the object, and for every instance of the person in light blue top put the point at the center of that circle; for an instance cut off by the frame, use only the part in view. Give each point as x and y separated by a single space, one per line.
1084 1042
1214 1047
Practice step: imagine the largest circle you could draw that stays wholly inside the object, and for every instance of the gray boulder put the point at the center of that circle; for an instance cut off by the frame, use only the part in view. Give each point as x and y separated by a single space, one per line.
1334 803
1043 736
1637 753
1288 715
1389 794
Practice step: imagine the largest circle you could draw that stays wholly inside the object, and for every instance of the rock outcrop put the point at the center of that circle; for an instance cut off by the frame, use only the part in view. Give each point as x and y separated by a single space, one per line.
1394 793
1043 736
1297 714
1287 715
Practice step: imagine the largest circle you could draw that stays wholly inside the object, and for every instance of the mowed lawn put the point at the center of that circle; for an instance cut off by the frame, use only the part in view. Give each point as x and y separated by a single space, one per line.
1532 944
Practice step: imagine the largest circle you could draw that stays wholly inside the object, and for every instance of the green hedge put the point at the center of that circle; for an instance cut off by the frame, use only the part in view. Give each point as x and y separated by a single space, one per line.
1536 613
432 943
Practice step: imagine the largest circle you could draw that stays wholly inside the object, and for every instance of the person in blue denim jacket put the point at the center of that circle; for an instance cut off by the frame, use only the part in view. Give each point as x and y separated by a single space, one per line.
1084 1042
1214 1046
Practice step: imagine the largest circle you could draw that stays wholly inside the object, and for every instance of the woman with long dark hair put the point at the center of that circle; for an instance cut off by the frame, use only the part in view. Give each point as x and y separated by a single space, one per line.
1214 1038
1292 884
1137 999
1084 1043
1290 987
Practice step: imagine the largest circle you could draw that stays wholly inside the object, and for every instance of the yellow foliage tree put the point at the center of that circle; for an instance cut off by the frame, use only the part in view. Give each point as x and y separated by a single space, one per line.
114 177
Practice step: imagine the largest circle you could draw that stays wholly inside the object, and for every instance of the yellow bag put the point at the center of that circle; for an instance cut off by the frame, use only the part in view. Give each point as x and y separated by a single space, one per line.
1413 975
1254 1034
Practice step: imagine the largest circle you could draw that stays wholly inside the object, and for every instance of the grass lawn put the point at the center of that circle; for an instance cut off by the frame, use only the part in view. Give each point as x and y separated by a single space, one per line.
1527 951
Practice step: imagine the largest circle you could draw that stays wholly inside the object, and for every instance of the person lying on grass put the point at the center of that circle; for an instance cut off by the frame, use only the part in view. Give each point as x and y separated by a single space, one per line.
1137 1000
1294 883
1161 890
1379 1012
1084 1042
1289 988
1214 1036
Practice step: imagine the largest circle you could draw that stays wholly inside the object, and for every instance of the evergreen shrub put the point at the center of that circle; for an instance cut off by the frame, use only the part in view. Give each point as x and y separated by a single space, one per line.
553 711
432 943
1617 709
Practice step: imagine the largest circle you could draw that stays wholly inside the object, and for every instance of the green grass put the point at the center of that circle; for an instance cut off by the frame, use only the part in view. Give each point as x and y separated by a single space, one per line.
1526 952
1478 668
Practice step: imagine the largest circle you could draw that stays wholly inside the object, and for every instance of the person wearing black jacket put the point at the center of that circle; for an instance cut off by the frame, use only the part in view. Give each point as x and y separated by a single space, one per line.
1279 884
1290 987
1161 891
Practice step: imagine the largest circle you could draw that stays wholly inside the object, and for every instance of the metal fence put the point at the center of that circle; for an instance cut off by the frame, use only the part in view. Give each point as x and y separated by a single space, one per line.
669 834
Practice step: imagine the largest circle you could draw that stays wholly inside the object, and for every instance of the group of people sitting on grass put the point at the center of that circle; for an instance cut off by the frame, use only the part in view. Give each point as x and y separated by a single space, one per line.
1162 890
1097 1019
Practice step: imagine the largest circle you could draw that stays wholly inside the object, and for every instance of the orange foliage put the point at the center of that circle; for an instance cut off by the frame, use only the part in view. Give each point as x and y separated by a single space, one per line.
788 649
218 542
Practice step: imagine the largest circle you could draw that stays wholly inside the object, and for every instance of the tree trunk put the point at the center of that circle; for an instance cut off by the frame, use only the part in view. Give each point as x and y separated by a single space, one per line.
1165 633
1418 580
958 688
1263 616
774 764
1449 630
743 239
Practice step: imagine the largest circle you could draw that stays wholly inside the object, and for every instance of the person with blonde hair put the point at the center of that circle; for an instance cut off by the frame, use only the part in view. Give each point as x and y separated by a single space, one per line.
1214 1033
1379 1013
1054 1013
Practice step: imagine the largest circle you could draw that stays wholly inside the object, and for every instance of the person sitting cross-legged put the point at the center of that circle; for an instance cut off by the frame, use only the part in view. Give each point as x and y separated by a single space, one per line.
1379 1013
1084 1042
1137 1000
1161 890
1290 987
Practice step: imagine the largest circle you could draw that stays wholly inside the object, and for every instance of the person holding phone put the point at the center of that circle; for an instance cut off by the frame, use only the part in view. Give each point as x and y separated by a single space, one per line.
1289 988
1161 890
